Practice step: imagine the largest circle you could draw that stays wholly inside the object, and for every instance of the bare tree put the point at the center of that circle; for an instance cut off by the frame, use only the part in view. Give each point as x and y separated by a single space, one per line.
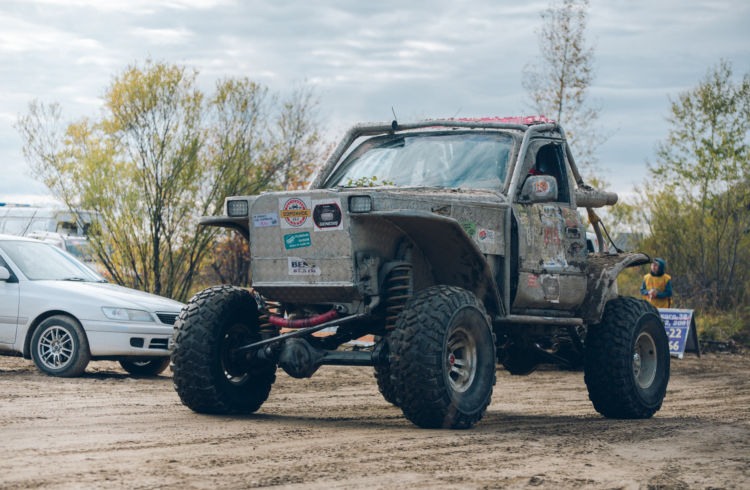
558 84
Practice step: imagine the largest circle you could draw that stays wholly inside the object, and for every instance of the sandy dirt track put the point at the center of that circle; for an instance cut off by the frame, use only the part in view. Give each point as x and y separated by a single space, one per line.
107 429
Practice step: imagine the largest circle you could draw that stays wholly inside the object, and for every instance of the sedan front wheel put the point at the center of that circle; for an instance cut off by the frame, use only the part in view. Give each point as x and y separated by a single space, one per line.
59 347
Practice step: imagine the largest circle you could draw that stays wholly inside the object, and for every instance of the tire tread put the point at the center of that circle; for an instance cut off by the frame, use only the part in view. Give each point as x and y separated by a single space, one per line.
608 361
197 337
416 344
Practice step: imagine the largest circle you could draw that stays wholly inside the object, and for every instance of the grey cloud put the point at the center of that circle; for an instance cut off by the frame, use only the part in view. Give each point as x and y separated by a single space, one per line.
425 58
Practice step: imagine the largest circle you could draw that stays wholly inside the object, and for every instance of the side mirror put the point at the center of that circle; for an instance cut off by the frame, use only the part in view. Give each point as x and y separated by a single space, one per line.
539 188
4 274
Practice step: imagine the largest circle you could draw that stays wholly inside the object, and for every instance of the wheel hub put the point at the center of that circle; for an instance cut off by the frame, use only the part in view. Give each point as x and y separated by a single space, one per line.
55 347
235 372
461 359
645 361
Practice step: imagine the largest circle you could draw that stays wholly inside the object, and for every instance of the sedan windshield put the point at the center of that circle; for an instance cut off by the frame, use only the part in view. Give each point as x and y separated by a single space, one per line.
41 261
464 159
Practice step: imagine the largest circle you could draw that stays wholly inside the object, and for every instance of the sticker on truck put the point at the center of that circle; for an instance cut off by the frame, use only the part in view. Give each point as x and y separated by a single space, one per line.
295 212
297 240
301 267
327 215
265 219
486 236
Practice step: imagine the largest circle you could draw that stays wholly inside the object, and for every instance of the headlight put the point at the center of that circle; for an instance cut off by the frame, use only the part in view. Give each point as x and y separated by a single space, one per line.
127 314
237 208
360 204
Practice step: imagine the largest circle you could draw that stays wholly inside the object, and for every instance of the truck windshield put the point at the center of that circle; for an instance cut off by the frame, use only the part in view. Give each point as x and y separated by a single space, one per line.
460 159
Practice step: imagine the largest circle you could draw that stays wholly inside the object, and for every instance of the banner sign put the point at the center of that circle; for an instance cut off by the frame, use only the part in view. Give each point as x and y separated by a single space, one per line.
681 331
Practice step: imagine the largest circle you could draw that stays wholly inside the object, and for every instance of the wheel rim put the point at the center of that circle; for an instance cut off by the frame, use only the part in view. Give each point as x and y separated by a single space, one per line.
234 374
461 359
141 363
644 360
55 347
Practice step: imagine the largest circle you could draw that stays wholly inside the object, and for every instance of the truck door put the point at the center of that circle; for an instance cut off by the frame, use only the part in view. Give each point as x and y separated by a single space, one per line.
552 239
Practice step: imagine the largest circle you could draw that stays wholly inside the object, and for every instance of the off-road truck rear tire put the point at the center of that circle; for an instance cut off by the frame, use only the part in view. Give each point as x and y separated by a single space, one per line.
519 360
385 380
626 365
443 359
206 376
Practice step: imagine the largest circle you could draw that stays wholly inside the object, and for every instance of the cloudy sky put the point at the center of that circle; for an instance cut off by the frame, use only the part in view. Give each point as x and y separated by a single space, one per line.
438 58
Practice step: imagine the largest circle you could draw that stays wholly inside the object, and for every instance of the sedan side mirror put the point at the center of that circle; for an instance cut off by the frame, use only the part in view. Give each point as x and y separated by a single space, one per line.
539 188
4 274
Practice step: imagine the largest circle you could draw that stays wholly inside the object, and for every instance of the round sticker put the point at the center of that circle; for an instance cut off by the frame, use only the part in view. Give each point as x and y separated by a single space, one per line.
295 212
542 187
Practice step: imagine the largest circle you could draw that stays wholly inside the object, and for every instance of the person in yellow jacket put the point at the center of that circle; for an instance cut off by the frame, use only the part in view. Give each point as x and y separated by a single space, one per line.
657 286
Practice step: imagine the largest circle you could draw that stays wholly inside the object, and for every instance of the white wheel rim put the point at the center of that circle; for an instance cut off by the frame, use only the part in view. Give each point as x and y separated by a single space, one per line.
461 359
645 361
56 347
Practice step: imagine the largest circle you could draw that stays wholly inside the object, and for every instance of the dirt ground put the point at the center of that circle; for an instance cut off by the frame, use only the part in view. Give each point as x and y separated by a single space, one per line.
107 429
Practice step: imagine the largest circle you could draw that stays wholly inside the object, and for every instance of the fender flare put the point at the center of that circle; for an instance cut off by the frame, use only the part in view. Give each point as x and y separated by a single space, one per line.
241 225
457 261
602 281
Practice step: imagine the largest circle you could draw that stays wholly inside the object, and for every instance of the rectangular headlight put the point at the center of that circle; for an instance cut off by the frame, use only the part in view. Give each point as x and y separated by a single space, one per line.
127 314
360 204
237 208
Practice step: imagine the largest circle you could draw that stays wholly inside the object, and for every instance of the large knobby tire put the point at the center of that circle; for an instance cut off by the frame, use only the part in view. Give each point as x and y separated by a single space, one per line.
626 366
150 367
207 376
384 378
59 347
443 359
519 360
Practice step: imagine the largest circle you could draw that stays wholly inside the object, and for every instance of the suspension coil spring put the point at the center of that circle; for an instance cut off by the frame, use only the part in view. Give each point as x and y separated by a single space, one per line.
266 328
398 290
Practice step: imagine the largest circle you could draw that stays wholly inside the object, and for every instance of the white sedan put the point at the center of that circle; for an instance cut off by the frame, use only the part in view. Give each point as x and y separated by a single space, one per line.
61 314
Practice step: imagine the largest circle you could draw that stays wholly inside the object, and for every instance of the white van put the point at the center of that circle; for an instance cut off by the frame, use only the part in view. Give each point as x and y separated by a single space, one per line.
21 220
55 225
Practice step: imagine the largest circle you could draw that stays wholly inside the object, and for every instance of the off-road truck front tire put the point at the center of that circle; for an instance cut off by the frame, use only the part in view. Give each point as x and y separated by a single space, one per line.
443 359
207 377
626 366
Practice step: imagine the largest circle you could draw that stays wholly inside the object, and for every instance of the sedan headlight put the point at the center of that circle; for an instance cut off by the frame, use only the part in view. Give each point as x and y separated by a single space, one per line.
127 314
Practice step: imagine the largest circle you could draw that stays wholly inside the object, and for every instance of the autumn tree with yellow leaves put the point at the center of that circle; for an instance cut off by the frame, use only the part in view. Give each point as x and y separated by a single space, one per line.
163 153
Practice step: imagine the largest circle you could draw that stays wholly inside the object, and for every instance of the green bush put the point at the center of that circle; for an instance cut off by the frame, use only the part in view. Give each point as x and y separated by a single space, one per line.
725 326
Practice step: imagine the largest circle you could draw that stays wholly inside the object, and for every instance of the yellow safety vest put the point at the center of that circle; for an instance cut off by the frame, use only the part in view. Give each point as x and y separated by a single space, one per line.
659 283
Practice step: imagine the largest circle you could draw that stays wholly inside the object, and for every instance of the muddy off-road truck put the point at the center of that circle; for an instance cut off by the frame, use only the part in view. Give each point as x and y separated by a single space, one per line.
457 244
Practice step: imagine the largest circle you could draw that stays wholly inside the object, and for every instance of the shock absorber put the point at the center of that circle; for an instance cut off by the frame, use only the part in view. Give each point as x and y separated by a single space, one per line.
398 290
266 328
